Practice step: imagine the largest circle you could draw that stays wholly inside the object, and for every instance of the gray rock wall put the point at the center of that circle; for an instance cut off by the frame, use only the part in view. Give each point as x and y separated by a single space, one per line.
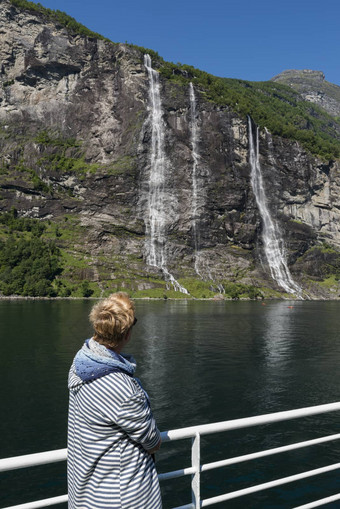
96 94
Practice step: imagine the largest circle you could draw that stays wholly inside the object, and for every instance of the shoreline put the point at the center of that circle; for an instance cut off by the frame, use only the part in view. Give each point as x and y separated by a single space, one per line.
220 298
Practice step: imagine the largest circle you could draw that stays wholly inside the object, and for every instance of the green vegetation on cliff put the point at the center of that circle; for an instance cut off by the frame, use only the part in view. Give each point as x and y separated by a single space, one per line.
44 259
32 264
59 17
321 262
272 105
55 139
28 264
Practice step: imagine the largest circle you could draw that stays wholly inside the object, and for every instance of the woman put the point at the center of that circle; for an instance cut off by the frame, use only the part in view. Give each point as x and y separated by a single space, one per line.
111 430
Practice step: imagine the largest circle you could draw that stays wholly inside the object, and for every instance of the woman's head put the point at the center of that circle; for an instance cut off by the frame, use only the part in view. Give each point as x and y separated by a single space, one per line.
112 319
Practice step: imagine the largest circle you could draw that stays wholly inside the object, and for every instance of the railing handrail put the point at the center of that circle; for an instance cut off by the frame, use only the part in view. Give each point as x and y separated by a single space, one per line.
32 460
194 432
42 458
246 422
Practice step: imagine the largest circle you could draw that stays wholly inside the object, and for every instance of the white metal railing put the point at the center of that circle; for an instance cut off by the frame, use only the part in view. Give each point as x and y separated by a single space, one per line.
195 432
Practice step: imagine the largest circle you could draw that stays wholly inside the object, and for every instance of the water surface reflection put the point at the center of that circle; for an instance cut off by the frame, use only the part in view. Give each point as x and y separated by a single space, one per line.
200 362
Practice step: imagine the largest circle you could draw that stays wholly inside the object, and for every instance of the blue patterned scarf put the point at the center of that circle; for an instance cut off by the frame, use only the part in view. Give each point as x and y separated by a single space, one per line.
95 361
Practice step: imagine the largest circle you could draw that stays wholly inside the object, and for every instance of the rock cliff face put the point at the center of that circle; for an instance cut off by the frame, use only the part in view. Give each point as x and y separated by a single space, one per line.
76 148
313 87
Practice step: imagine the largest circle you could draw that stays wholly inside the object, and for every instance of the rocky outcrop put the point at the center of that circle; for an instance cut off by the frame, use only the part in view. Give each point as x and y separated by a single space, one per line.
75 137
313 87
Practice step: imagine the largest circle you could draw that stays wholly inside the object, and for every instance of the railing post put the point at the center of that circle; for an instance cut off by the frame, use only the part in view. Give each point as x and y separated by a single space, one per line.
195 478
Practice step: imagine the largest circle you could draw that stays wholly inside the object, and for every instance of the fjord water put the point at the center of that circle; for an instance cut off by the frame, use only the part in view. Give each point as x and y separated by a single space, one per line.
200 362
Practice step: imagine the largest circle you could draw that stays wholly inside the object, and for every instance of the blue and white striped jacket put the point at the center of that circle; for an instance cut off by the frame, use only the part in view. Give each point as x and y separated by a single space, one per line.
110 430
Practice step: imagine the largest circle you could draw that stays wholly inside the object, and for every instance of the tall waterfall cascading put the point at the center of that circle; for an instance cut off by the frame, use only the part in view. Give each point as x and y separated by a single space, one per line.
156 219
272 241
195 157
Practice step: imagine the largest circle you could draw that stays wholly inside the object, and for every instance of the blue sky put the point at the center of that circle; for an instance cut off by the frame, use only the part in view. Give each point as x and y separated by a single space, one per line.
246 39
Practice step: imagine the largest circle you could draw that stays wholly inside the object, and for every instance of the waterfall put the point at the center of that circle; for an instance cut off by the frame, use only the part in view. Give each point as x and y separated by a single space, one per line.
155 226
270 147
157 213
272 241
195 157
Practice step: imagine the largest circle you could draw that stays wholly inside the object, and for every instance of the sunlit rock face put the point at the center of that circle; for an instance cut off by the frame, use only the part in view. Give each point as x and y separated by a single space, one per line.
313 87
76 139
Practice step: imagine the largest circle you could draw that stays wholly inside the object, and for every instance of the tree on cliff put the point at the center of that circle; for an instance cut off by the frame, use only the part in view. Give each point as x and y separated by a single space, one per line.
27 265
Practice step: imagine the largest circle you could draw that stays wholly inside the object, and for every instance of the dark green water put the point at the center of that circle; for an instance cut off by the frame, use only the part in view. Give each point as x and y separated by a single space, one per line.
200 362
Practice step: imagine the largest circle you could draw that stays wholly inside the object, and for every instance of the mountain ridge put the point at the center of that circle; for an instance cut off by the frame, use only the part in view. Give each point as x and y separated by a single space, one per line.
76 156
219 90
313 87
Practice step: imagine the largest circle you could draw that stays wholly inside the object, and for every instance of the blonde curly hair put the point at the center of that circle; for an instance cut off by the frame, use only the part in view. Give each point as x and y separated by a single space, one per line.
112 318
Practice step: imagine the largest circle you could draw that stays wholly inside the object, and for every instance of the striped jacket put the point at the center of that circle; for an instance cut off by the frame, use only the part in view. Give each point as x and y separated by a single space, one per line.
110 429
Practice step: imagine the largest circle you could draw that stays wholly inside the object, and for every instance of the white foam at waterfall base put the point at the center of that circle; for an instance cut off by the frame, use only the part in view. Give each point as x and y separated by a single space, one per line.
157 214
272 240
